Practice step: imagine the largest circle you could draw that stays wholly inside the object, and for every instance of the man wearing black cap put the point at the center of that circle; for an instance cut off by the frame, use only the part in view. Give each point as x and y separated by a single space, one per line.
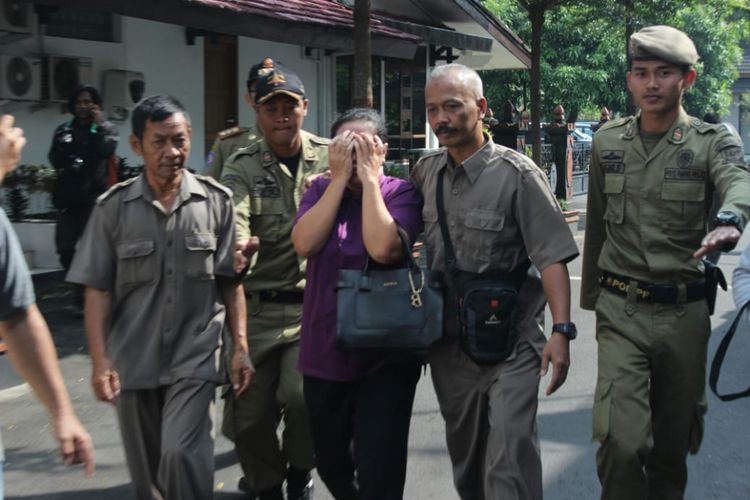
650 181
80 152
267 179
230 140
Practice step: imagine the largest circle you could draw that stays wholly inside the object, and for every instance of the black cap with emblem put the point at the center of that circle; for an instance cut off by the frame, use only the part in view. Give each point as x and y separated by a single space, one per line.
281 80
265 66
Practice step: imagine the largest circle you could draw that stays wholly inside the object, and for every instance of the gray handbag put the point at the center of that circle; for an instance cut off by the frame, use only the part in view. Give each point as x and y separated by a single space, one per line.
390 310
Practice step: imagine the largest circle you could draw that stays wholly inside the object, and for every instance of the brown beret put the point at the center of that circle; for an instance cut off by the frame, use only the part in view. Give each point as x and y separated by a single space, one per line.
665 43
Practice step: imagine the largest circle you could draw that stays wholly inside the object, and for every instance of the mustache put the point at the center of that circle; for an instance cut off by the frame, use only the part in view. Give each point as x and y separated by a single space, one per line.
444 129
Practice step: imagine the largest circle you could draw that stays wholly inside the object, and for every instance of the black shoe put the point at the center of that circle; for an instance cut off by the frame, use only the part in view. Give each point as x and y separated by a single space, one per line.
274 493
299 484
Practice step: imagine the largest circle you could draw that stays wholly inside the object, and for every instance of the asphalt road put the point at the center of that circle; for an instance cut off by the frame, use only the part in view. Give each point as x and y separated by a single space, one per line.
719 471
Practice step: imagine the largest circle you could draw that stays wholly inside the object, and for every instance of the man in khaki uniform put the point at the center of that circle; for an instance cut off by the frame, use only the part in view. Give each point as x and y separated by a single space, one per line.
267 179
499 212
230 140
157 260
650 185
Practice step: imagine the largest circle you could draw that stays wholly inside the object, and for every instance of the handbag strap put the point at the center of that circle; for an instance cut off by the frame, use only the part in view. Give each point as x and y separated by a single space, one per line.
517 275
408 257
721 352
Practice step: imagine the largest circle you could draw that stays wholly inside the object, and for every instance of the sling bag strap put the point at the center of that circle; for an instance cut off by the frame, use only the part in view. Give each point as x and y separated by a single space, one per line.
517 275
721 351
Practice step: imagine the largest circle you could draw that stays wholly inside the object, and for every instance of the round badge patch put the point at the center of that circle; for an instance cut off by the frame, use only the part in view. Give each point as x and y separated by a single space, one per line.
685 158
266 157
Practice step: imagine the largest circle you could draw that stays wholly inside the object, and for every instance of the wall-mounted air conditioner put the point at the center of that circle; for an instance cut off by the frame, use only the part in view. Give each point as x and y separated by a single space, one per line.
20 78
62 74
17 17
122 91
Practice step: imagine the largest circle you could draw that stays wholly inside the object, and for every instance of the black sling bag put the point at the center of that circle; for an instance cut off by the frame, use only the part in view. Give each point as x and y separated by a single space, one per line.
721 351
480 308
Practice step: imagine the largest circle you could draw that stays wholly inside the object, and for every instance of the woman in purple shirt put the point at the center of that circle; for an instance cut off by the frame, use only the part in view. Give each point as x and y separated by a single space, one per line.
359 404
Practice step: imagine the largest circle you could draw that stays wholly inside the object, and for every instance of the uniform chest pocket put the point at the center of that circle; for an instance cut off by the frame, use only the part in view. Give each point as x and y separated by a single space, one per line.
267 217
684 205
136 262
199 257
484 233
614 189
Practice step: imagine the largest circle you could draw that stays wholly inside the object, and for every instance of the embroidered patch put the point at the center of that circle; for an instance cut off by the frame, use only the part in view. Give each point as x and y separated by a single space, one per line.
613 168
210 157
677 134
267 157
685 158
732 154
612 155
684 174
265 187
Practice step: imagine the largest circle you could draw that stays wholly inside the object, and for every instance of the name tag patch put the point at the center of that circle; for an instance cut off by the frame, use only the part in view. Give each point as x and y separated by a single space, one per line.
614 168
265 187
684 174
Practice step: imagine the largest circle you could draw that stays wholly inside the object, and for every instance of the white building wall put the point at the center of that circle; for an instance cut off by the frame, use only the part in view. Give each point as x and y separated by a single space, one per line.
172 67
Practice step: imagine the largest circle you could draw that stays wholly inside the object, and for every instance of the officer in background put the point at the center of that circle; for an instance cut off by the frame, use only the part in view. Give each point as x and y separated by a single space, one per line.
267 179
230 140
80 152
642 274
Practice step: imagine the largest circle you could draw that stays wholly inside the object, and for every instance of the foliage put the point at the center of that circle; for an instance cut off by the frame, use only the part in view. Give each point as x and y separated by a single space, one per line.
583 56
24 180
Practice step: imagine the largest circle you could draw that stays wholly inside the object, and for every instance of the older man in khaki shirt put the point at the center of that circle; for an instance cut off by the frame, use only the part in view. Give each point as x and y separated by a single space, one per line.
157 259
499 212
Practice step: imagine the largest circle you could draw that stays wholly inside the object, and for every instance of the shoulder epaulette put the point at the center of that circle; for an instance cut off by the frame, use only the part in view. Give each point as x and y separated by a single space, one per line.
214 183
618 122
319 140
114 189
704 127
231 132
247 150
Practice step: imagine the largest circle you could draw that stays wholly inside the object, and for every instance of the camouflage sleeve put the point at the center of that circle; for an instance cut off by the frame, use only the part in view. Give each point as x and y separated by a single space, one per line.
214 161
595 232
729 174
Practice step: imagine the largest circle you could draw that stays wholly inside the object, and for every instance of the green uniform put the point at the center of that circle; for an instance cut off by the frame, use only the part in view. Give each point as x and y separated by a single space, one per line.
227 142
266 198
646 215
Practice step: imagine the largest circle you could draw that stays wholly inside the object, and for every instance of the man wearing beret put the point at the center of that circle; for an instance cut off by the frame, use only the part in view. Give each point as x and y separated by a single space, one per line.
650 183
267 179
230 140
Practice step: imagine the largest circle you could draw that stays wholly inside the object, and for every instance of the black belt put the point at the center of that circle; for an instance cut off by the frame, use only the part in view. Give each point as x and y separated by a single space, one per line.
279 296
652 292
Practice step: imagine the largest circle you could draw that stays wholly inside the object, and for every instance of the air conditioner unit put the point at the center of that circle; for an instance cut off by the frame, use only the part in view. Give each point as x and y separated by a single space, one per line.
122 90
62 74
17 16
20 78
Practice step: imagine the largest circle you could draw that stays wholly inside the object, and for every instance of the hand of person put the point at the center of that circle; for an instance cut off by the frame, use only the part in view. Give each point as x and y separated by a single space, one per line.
75 442
311 178
12 142
244 250
370 157
242 372
340 157
105 381
96 114
716 238
556 351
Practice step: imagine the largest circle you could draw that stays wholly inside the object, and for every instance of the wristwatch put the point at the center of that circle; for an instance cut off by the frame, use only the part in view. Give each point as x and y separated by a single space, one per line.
728 219
567 329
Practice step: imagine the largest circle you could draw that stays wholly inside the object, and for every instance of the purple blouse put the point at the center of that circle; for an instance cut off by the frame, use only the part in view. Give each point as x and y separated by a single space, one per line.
345 249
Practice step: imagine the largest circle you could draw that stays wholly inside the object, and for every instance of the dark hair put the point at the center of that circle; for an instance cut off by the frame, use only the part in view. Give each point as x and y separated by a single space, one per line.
156 108
712 117
368 115
95 96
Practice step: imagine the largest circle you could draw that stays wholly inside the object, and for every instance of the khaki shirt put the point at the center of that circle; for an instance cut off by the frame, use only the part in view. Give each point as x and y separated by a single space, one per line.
266 198
647 214
499 210
167 312
226 143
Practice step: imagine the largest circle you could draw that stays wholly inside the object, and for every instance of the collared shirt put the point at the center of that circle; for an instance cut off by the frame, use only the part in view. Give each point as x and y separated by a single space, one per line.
167 312
499 210
647 212
266 197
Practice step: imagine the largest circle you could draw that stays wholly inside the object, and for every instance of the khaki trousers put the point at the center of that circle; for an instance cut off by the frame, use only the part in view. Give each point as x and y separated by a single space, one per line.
490 423
166 433
650 395
275 393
